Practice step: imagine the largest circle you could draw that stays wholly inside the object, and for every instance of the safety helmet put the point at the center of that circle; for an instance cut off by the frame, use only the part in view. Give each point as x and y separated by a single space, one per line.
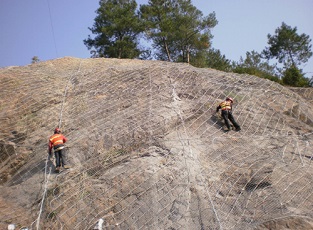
229 99
57 130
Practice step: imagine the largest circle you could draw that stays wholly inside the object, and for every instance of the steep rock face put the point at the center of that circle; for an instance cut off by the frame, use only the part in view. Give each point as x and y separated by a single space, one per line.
148 151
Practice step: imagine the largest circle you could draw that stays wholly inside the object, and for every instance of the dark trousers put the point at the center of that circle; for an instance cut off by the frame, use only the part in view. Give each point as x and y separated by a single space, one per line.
59 158
228 116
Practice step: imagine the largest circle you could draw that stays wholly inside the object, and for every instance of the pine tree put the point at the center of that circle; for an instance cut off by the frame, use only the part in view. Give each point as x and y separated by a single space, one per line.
117 28
177 29
293 76
288 47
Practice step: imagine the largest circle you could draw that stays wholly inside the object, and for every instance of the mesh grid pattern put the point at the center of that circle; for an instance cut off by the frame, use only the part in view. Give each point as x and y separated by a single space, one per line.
147 150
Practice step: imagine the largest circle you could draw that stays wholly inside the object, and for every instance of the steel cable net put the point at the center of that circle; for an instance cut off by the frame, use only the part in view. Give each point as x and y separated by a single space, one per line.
148 151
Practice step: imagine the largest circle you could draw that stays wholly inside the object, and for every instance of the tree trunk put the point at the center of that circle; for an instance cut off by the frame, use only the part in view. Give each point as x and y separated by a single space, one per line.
119 53
188 55
167 50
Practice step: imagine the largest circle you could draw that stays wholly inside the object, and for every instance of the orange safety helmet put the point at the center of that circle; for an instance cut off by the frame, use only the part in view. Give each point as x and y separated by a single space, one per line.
229 99
57 130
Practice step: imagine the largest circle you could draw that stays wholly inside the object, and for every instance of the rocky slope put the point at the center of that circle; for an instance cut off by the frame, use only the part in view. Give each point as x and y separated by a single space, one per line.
148 151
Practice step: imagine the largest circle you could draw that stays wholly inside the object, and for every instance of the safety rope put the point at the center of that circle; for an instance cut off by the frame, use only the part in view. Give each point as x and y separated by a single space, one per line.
46 181
52 29
44 193
65 94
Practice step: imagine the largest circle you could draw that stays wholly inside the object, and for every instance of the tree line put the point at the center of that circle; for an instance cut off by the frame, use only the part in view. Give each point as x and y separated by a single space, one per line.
176 31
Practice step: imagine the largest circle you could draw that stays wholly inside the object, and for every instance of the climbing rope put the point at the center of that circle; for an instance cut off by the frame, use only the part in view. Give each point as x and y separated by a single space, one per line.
65 94
47 174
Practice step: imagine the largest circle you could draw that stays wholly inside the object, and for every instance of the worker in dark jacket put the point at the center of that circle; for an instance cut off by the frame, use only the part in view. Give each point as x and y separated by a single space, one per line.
226 107
56 141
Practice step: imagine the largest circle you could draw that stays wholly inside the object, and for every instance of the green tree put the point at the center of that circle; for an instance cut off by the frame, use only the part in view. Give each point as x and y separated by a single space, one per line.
288 47
177 29
35 59
254 65
157 20
117 28
194 31
214 59
293 76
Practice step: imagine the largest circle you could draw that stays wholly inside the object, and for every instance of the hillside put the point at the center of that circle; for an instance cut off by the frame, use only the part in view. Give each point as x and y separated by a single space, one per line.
147 150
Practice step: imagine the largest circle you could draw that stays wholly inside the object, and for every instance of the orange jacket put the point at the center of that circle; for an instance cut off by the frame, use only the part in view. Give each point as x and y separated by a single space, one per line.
56 139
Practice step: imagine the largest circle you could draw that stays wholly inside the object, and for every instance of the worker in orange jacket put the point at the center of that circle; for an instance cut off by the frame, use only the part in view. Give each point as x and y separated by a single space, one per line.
226 107
56 141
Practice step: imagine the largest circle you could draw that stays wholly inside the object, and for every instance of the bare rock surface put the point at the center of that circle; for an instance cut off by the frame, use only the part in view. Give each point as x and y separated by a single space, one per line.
148 151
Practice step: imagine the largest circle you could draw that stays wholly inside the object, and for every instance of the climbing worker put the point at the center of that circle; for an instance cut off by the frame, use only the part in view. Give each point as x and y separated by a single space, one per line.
56 141
226 107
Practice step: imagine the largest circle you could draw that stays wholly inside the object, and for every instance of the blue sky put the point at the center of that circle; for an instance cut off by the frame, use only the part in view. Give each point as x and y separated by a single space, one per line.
52 29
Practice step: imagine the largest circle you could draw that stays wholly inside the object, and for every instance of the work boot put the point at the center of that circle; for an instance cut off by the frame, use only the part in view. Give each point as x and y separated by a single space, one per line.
66 166
57 169
238 129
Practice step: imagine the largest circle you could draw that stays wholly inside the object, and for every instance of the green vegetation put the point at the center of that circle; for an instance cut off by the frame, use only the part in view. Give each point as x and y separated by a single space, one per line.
117 28
288 47
291 50
294 76
175 30
214 59
35 59
254 65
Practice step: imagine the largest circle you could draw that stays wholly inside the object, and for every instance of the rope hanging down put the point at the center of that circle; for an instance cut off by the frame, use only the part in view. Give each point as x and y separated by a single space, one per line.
46 165
55 45
65 95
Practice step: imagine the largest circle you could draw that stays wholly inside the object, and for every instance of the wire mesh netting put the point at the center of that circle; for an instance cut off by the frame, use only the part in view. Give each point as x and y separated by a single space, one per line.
147 149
